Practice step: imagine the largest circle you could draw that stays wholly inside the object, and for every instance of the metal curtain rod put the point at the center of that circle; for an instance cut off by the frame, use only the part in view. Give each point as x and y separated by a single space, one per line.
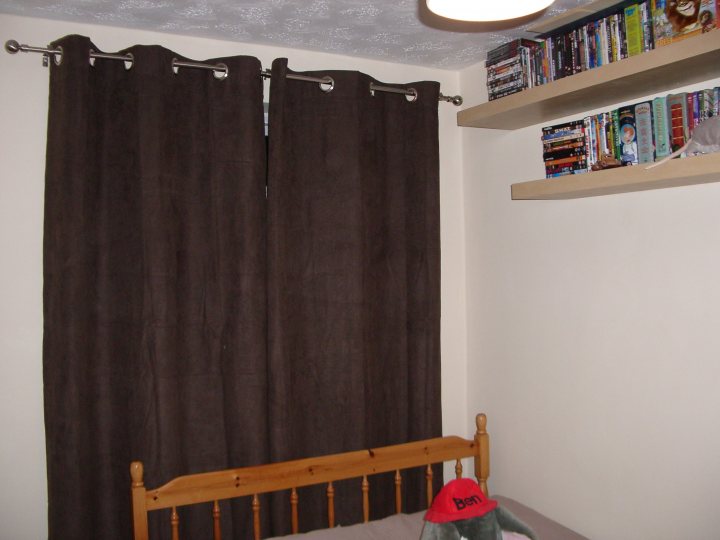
220 71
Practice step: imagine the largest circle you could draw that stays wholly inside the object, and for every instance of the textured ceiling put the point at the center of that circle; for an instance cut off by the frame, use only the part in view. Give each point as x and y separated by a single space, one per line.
401 31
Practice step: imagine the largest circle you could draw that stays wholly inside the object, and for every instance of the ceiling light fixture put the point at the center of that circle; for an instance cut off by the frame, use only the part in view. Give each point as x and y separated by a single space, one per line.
486 10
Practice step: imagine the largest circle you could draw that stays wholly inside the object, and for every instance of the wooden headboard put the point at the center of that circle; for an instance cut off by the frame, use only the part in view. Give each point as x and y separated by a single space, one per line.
290 475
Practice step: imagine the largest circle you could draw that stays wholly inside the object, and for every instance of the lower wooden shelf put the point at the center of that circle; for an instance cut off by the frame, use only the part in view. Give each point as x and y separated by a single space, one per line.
688 171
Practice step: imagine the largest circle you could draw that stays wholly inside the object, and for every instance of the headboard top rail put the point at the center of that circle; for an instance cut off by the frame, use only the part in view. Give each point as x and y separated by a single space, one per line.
230 483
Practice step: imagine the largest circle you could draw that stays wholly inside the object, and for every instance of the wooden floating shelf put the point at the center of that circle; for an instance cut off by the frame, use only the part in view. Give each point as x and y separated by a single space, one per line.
702 169
692 60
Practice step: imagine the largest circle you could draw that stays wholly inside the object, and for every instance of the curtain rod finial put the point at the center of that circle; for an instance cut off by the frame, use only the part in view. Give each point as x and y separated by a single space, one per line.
12 46
455 100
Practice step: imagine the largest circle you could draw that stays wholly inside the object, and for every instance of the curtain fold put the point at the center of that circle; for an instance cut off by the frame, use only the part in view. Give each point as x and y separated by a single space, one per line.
154 280
353 273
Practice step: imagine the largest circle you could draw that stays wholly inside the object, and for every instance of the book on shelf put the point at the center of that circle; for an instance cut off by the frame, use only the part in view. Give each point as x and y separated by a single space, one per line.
616 142
644 130
626 29
598 137
693 112
675 20
560 130
578 160
708 103
646 22
677 120
628 135
635 133
633 30
504 65
510 69
564 148
705 104
507 50
513 73
661 131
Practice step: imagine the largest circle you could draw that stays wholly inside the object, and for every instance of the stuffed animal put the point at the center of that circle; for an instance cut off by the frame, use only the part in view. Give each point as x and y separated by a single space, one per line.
461 511
705 139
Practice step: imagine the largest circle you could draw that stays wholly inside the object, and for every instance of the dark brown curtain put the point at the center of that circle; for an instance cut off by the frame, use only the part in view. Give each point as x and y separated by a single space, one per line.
354 264
155 281
192 325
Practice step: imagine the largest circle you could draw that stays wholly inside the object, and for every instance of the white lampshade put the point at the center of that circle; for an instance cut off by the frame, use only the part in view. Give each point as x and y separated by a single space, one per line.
486 10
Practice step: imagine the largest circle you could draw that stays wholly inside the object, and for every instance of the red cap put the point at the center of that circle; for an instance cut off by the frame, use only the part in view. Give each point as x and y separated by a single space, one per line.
459 499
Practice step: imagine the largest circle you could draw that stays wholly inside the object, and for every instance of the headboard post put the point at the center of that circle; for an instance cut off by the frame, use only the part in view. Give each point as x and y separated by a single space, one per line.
139 510
482 459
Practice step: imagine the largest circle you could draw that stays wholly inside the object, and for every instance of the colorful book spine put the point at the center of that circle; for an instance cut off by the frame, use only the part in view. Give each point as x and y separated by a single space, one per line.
647 26
706 104
674 21
507 50
677 117
590 141
602 132
617 147
661 131
633 30
662 31
609 135
690 112
628 135
643 122
613 35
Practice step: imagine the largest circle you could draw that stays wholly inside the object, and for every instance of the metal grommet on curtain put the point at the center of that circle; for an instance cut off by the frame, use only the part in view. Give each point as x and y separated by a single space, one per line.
58 55
327 85
221 72
410 93
130 62
127 59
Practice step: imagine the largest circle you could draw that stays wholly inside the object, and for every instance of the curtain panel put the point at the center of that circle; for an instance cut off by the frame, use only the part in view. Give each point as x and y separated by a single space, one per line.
194 324
154 280
354 272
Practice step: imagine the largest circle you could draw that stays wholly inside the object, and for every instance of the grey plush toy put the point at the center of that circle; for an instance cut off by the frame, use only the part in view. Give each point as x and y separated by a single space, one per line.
462 511
705 139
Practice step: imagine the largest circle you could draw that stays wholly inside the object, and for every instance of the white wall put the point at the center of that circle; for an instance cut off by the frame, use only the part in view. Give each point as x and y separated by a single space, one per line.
23 111
594 343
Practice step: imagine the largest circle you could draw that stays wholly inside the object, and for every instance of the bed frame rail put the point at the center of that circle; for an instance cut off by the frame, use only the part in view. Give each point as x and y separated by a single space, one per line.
290 475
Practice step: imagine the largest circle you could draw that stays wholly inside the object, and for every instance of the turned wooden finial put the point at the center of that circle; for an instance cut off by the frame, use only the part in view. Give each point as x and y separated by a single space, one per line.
482 459
136 473
481 423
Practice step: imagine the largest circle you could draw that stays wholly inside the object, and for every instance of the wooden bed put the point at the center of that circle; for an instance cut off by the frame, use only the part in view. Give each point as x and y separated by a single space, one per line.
288 476
213 487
